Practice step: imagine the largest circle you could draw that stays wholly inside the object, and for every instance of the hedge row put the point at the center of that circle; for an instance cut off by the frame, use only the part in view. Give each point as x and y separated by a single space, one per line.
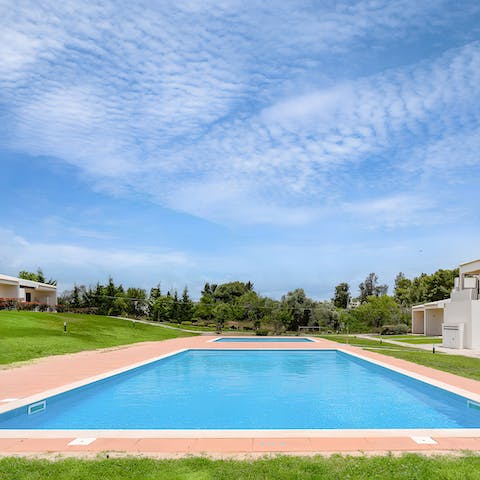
15 304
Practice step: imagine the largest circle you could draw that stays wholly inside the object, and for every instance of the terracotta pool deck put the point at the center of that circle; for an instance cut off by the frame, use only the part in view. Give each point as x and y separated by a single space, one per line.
55 374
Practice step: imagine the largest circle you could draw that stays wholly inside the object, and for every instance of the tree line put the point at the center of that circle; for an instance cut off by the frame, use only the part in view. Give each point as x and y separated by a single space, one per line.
237 306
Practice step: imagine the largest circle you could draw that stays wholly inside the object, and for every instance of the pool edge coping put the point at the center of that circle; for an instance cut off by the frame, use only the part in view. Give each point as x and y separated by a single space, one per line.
259 339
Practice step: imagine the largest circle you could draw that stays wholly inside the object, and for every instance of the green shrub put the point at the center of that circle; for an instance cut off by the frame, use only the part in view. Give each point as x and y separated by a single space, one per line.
186 322
263 332
28 306
8 303
398 329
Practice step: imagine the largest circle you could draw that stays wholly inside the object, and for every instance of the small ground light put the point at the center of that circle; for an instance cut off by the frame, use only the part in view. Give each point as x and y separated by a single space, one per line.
433 348
64 327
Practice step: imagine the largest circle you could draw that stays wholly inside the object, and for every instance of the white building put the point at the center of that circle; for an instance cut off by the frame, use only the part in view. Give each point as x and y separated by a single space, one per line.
457 319
27 290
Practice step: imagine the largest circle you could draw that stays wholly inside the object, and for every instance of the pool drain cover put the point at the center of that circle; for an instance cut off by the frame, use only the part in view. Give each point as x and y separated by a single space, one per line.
82 441
424 440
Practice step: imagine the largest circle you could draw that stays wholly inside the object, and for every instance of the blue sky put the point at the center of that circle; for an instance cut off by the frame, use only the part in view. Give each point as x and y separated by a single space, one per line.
290 143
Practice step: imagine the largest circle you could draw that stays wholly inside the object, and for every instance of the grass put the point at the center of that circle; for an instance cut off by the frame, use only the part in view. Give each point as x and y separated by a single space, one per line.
28 335
421 339
196 328
282 468
457 364
464 366
353 340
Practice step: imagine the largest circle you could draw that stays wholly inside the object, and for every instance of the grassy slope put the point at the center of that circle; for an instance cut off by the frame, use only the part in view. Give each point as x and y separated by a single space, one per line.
281 468
457 364
27 335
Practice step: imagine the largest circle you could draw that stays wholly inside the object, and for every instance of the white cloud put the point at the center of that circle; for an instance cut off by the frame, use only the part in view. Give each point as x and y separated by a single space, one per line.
60 260
184 102
448 155
394 211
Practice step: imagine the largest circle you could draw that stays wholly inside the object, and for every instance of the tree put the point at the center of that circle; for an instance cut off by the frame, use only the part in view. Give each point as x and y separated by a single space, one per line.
230 292
342 295
424 288
280 318
370 287
250 307
186 307
108 297
40 276
75 302
152 309
161 308
403 290
204 310
136 299
297 302
223 314
440 284
325 314
378 311
208 289
174 315
36 277
27 275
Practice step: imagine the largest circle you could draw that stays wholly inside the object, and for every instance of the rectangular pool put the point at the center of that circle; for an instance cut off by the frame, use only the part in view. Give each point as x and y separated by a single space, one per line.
263 339
245 389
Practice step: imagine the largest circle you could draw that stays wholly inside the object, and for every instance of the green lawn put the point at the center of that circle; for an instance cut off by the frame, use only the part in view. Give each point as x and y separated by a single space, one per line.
192 327
414 339
353 340
457 364
197 328
27 335
407 467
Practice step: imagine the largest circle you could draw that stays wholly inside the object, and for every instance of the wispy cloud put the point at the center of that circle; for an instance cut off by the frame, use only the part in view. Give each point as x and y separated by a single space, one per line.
402 210
90 264
209 109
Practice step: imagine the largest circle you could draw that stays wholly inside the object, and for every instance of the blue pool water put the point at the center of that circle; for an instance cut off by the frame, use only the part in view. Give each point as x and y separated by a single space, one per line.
263 339
222 389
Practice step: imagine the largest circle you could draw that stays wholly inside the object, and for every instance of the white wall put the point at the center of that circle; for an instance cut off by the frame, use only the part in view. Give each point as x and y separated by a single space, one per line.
475 312
459 311
418 325
8 291
433 321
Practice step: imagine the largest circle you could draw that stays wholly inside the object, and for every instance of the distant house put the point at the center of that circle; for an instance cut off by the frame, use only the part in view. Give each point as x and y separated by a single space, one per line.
457 318
27 290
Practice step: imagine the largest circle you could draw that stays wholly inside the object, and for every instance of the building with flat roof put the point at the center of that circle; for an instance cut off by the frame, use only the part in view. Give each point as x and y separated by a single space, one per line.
457 318
27 290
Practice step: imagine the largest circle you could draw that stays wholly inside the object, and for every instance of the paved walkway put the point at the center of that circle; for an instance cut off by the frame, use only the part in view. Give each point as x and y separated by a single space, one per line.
56 372
162 325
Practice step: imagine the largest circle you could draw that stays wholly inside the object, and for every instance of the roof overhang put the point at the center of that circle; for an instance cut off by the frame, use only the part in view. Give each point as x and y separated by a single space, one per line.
431 305
472 267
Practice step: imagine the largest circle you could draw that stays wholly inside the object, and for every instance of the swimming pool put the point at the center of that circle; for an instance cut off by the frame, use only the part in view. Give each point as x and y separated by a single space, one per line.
263 339
254 389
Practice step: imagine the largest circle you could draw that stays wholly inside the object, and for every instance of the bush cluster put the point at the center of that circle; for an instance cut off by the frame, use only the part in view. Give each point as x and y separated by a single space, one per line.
399 329
15 304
